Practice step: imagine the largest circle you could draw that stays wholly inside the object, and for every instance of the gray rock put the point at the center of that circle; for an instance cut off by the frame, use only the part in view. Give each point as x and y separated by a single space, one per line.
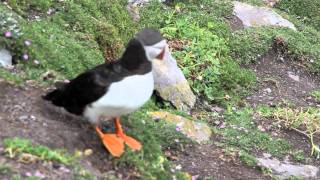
286 169
5 58
293 76
197 131
171 84
253 16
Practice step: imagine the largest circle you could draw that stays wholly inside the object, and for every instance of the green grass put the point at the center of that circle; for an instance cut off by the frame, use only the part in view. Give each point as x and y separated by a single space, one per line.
17 146
247 159
254 2
304 46
308 11
155 136
205 55
316 95
79 33
242 133
304 120
5 169
23 6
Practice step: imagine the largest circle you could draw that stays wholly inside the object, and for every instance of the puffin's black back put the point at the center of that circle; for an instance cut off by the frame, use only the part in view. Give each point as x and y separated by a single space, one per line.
93 84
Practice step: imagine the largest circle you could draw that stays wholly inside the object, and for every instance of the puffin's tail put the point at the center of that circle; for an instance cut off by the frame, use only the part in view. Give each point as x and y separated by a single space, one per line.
55 96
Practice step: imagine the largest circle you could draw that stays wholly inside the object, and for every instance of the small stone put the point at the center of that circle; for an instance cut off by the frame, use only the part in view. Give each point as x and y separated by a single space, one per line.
23 118
217 109
88 152
179 167
36 62
64 169
5 58
293 76
261 128
267 90
266 155
39 174
281 59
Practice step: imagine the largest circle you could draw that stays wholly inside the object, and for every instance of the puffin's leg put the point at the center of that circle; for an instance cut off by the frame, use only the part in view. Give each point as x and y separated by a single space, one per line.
132 143
112 142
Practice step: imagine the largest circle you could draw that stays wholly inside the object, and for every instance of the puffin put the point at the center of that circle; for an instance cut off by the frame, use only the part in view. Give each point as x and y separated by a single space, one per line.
111 90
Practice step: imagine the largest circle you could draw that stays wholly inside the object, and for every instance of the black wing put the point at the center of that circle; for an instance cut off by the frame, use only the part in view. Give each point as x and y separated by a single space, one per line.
86 88
93 84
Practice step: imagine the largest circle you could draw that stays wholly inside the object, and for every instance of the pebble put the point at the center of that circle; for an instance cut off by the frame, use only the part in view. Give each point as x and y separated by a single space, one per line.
267 90
293 76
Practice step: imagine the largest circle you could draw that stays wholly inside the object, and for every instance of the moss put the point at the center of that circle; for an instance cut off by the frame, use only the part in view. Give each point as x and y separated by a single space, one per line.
155 136
250 44
306 10
244 135
22 7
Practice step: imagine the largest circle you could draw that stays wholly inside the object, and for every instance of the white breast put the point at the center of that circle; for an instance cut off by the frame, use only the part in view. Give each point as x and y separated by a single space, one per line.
122 97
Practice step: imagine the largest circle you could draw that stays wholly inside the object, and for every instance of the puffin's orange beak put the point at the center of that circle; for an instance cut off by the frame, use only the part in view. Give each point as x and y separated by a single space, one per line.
161 55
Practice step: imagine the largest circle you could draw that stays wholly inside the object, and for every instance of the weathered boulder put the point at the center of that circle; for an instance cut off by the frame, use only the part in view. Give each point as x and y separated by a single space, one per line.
253 16
171 84
199 132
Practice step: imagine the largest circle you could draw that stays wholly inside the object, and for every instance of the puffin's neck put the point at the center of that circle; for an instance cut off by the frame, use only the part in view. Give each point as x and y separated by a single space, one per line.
134 58
137 66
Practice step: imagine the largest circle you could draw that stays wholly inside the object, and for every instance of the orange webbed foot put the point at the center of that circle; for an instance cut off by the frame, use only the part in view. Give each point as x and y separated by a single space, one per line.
131 142
113 143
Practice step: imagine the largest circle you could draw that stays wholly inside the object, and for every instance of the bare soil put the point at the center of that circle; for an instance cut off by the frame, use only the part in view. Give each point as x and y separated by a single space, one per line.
211 162
24 114
276 87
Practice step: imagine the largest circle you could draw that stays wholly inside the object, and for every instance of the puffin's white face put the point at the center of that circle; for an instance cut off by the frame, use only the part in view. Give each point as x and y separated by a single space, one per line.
156 51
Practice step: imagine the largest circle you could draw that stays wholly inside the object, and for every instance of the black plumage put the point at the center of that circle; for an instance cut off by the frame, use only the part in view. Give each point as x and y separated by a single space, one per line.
93 84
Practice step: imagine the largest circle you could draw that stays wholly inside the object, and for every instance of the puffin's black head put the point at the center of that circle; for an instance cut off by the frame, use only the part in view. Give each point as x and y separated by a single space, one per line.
153 43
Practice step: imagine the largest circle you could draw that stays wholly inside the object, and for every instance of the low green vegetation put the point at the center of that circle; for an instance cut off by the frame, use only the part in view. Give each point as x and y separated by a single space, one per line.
17 146
200 46
155 137
304 121
5 169
242 134
22 7
316 95
77 33
254 2
308 11
304 46
248 159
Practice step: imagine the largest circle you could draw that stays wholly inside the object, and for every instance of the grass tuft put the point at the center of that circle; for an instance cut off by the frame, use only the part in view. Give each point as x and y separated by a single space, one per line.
15 146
